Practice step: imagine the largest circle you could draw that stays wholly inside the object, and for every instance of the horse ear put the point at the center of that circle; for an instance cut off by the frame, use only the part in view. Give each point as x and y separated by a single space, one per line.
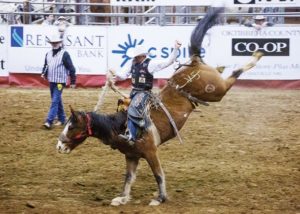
72 111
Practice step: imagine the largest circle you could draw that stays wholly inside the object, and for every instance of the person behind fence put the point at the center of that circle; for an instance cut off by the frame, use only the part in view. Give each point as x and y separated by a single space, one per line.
48 19
58 65
259 22
141 71
62 25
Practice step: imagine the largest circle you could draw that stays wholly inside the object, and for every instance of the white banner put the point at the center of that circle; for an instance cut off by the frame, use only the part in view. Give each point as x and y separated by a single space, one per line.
232 46
95 49
228 3
86 46
3 51
159 41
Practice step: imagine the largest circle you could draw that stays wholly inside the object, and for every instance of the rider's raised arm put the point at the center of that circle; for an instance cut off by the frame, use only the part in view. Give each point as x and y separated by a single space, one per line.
157 65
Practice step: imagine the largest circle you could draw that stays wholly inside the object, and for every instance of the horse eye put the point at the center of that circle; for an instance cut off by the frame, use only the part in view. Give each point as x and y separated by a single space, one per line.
71 127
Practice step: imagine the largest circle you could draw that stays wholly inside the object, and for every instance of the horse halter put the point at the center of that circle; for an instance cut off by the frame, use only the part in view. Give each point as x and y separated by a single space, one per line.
88 132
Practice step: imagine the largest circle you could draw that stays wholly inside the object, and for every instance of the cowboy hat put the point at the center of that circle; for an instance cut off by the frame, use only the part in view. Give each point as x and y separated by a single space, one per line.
137 51
199 18
54 38
259 17
62 18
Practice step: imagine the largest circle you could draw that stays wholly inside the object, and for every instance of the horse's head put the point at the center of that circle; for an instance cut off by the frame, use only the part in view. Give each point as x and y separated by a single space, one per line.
75 131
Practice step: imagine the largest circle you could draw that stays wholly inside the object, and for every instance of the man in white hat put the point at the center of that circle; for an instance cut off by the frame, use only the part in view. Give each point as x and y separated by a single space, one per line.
141 71
62 25
58 65
259 22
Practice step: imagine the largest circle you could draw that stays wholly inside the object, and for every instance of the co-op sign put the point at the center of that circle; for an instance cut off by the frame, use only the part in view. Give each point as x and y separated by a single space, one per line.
270 47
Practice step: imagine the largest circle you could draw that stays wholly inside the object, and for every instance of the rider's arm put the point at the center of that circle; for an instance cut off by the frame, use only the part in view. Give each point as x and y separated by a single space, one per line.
155 65
123 73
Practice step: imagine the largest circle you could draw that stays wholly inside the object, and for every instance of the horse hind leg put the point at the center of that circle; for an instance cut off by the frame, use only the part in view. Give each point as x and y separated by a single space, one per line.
131 166
236 73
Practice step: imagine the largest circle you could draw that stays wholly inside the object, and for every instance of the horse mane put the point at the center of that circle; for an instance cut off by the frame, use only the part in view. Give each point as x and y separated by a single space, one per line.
106 125
201 28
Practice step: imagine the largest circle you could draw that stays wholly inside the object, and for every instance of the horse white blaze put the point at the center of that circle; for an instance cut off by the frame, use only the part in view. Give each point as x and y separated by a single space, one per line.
60 146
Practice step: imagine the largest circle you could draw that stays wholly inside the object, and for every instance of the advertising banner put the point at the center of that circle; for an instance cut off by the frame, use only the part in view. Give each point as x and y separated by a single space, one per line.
159 41
94 49
86 46
3 51
232 46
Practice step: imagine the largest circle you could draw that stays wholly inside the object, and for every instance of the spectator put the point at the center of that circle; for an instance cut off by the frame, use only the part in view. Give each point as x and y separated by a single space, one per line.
259 22
26 7
62 25
48 19
18 19
3 19
199 18
58 65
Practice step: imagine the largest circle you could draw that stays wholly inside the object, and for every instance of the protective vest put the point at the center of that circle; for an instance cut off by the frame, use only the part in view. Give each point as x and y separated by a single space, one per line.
140 76
56 70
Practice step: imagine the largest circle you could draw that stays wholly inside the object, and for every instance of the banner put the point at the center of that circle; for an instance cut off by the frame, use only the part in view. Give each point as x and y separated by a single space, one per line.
159 45
94 49
3 51
85 44
232 46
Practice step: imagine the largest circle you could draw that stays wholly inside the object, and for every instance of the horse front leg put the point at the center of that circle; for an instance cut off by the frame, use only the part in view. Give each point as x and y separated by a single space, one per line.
158 173
131 166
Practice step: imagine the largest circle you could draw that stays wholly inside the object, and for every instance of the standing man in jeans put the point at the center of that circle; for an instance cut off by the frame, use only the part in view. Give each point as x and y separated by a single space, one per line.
58 66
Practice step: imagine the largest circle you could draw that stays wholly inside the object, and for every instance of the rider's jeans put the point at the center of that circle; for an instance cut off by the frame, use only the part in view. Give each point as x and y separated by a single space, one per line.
132 130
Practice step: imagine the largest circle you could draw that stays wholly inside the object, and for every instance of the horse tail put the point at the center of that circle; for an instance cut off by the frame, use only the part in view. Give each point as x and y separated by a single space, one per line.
209 20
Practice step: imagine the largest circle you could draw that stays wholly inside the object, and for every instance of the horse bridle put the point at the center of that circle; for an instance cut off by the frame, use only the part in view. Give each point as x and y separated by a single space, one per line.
86 133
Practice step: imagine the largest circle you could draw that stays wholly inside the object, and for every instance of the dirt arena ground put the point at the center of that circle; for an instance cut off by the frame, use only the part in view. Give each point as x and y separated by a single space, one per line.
241 155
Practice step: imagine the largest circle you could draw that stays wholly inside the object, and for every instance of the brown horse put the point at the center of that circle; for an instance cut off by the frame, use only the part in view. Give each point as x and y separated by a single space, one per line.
194 82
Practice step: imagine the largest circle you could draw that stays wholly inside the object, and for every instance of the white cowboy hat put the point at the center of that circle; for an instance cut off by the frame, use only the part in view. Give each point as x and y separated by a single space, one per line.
62 18
259 17
137 51
54 38
199 18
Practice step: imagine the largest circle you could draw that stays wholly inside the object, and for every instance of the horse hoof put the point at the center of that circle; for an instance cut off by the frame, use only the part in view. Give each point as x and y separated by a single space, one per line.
119 201
154 202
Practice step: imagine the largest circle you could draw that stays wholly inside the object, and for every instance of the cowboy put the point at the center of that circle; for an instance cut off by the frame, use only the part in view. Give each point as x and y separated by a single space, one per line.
259 22
58 65
141 71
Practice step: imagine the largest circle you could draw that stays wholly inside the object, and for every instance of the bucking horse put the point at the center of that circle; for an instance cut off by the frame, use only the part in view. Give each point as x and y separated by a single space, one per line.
193 83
